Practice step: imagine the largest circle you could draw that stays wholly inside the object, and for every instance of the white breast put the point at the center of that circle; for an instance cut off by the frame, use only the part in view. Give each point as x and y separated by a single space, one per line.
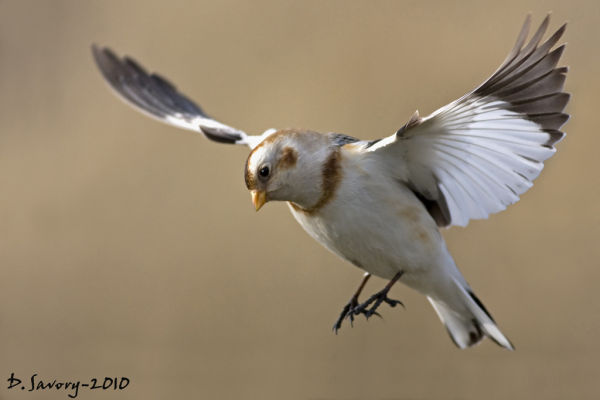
377 223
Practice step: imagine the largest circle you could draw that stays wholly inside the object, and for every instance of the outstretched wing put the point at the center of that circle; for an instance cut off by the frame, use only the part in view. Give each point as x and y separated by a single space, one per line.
158 98
476 155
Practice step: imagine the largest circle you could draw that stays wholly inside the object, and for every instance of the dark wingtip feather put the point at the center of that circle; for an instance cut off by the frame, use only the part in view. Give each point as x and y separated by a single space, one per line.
131 63
149 93
521 37
102 55
163 82
555 136
155 96
550 103
556 36
531 82
551 121
218 136
537 36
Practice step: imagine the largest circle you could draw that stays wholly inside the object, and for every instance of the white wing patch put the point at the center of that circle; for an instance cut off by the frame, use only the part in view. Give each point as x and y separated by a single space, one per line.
478 154
483 155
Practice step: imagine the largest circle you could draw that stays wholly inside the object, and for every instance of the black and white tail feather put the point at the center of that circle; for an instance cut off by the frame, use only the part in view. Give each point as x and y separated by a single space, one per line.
470 325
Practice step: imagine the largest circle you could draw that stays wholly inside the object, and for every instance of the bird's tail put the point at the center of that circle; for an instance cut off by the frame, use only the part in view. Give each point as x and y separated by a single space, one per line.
468 327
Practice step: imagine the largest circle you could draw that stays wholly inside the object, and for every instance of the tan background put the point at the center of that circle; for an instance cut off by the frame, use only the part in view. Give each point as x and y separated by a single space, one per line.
128 248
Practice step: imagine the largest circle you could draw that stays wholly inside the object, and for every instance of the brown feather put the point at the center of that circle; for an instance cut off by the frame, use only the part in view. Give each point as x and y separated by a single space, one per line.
288 158
332 176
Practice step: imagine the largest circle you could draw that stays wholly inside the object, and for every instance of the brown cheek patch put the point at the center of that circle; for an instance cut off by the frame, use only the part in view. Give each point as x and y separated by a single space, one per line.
288 158
332 176
249 177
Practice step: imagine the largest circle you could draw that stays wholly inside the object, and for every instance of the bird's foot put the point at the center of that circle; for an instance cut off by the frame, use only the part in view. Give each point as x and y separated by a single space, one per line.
369 307
349 311
354 308
376 300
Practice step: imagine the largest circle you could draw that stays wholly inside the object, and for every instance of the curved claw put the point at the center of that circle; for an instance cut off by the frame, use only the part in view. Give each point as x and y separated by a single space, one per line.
347 312
350 316
393 303
370 314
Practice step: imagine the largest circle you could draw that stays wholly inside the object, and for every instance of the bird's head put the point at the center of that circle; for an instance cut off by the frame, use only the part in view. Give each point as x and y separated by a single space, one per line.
288 166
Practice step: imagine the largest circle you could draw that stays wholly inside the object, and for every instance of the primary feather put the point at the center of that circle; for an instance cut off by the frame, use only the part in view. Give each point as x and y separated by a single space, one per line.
158 98
478 154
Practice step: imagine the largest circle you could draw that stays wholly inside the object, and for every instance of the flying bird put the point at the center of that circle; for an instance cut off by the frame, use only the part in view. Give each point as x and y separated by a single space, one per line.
380 204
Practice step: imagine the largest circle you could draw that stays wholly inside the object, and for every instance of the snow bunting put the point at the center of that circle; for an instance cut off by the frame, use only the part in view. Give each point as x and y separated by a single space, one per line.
379 204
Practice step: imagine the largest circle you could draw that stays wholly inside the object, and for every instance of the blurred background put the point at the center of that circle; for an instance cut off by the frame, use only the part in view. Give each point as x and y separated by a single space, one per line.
129 248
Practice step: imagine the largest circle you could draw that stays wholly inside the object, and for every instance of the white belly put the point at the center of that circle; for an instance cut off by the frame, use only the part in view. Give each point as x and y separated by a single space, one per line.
380 226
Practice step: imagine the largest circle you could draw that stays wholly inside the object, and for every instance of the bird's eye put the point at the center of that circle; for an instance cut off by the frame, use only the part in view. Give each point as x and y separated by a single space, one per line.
264 172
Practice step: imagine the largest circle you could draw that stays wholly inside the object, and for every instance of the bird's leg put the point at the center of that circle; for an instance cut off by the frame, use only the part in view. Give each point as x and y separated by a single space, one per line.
348 310
378 298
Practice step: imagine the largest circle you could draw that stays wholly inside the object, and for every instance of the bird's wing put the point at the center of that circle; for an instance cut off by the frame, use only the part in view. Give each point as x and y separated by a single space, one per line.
158 98
476 155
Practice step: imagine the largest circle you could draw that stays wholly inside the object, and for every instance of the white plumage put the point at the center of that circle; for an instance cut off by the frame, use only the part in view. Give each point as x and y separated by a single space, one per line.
484 156
379 204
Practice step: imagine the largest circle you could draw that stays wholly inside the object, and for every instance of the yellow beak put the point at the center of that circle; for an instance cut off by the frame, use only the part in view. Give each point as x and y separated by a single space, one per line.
259 198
